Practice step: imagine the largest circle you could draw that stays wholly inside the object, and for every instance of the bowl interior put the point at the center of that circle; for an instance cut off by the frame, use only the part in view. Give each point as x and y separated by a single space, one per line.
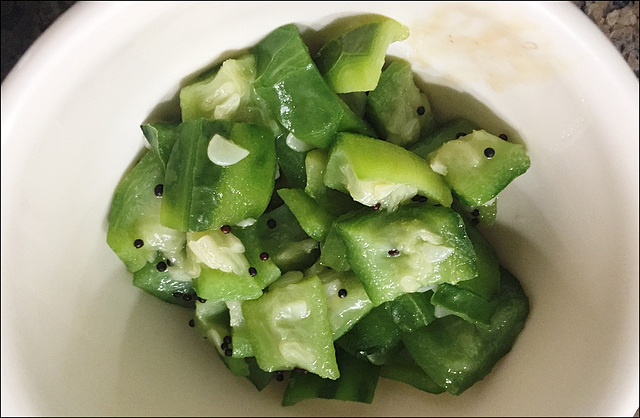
78 338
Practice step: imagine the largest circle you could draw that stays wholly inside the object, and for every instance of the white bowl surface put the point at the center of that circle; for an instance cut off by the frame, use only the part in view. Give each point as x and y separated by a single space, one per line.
79 339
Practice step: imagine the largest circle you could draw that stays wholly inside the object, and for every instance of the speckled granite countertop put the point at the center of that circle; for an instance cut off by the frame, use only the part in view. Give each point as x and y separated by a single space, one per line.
24 21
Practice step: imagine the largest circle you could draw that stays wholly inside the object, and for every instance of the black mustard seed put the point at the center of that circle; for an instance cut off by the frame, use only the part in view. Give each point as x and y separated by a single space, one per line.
158 190
271 223
489 152
192 323
225 229
138 243
460 134
252 271
420 110
394 252
264 256
504 137
342 293
161 266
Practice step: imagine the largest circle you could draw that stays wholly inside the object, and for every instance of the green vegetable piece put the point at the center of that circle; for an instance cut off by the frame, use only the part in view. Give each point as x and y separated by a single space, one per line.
479 165
291 163
404 369
465 304
211 321
331 200
400 252
375 338
451 130
161 137
295 93
226 92
237 366
352 61
315 164
313 219
240 335
135 233
456 353
290 328
347 301
477 214
487 283
220 95
411 310
378 172
201 195
357 382
397 109
357 102
288 246
333 252
257 376
167 283
216 284
286 279
265 270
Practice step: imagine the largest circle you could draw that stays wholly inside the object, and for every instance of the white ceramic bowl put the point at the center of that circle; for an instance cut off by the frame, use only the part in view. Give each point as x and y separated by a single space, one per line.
79 339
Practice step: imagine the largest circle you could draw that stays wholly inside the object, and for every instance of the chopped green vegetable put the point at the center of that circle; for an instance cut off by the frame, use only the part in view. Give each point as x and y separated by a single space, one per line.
296 94
479 165
352 61
321 223
397 109
378 172
405 251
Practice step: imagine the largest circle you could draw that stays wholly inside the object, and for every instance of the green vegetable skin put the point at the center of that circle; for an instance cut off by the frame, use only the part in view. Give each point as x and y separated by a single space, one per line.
352 61
293 88
353 257
196 189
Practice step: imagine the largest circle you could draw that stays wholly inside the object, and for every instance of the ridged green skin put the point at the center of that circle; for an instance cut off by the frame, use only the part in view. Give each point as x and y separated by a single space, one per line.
357 382
370 235
352 61
171 285
474 177
200 195
396 108
310 332
456 353
296 94
375 338
135 214
376 160
446 132
288 245
313 219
